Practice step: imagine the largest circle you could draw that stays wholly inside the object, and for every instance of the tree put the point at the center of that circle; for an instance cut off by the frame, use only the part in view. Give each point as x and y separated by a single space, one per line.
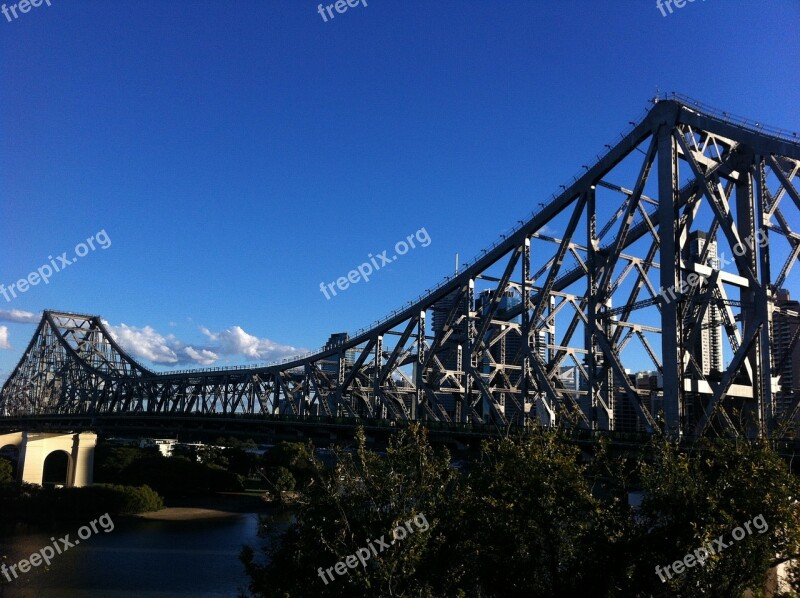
361 500
697 494
6 471
298 458
281 479
110 461
533 518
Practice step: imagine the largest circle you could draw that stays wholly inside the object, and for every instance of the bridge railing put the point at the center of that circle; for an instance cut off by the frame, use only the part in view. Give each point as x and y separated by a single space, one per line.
740 121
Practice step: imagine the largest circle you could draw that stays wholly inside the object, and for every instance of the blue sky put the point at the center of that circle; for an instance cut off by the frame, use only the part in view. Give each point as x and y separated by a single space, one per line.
237 154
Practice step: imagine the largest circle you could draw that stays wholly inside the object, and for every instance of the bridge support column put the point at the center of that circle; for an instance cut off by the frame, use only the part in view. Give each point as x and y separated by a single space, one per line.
34 448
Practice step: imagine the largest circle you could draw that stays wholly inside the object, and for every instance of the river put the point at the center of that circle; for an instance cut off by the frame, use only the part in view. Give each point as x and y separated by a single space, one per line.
139 557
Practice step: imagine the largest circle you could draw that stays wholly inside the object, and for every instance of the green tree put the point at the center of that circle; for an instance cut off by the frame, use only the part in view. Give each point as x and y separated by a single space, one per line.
111 461
6 471
694 495
363 498
232 442
212 455
179 476
297 457
532 518
281 479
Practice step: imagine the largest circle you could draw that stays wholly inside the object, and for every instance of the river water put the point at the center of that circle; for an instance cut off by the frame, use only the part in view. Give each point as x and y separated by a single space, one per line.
138 558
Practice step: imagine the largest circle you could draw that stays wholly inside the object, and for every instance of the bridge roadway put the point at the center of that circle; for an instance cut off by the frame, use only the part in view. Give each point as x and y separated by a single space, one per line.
322 431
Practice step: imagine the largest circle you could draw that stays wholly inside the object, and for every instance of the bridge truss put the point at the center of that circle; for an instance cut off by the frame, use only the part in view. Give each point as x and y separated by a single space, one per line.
671 248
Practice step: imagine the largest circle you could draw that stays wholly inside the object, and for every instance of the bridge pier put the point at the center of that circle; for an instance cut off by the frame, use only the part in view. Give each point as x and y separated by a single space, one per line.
34 448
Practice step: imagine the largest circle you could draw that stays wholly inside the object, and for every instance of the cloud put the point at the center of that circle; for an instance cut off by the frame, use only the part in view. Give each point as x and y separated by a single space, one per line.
147 343
17 315
235 341
546 229
144 343
203 356
4 344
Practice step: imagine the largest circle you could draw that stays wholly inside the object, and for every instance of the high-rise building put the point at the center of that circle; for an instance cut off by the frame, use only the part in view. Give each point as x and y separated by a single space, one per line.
337 339
508 347
449 353
708 349
506 350
785 359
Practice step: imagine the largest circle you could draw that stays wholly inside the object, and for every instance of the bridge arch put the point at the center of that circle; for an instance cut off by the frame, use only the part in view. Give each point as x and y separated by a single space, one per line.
57 466
36 449
9 451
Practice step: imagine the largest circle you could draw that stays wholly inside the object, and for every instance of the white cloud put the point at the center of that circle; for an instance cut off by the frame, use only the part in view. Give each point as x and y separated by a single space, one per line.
235 341
147 343
4 344
203 356
546 229
144 343
17 315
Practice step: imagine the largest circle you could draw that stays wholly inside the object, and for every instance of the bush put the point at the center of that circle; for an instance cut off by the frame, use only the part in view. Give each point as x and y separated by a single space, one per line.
6 471
131 500
177 476
111 461
532 518
281 479
296 457
34 504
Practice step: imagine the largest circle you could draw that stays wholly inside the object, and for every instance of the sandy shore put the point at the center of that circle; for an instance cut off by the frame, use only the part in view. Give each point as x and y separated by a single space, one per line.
187 514
220 506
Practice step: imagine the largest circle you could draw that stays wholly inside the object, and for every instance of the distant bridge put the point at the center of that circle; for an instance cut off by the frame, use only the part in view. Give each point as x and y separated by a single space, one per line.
538 328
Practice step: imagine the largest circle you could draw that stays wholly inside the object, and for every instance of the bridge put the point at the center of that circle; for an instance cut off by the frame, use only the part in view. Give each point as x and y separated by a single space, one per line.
675 244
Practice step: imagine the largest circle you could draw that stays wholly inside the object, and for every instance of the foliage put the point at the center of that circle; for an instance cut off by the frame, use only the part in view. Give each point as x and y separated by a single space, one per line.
298 458
281 479
178 476
534 516
692 497
6 471
232 442
110 461
363 497
240 461
33 504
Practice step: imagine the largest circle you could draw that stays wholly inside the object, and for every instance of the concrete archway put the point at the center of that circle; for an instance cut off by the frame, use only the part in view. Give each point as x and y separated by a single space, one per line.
10 451
56 467
35 448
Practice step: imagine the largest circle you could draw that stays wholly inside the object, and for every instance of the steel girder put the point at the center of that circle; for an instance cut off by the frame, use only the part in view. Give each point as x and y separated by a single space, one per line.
539 329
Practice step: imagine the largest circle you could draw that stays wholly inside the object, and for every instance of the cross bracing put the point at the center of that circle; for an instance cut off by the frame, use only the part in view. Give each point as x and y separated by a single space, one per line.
668 251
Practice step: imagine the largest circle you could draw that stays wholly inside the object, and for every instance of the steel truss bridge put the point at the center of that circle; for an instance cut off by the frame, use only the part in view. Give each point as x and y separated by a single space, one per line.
671 247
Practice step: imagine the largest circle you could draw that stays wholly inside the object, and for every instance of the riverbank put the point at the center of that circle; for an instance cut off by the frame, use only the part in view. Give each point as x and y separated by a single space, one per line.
190 558
219 506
